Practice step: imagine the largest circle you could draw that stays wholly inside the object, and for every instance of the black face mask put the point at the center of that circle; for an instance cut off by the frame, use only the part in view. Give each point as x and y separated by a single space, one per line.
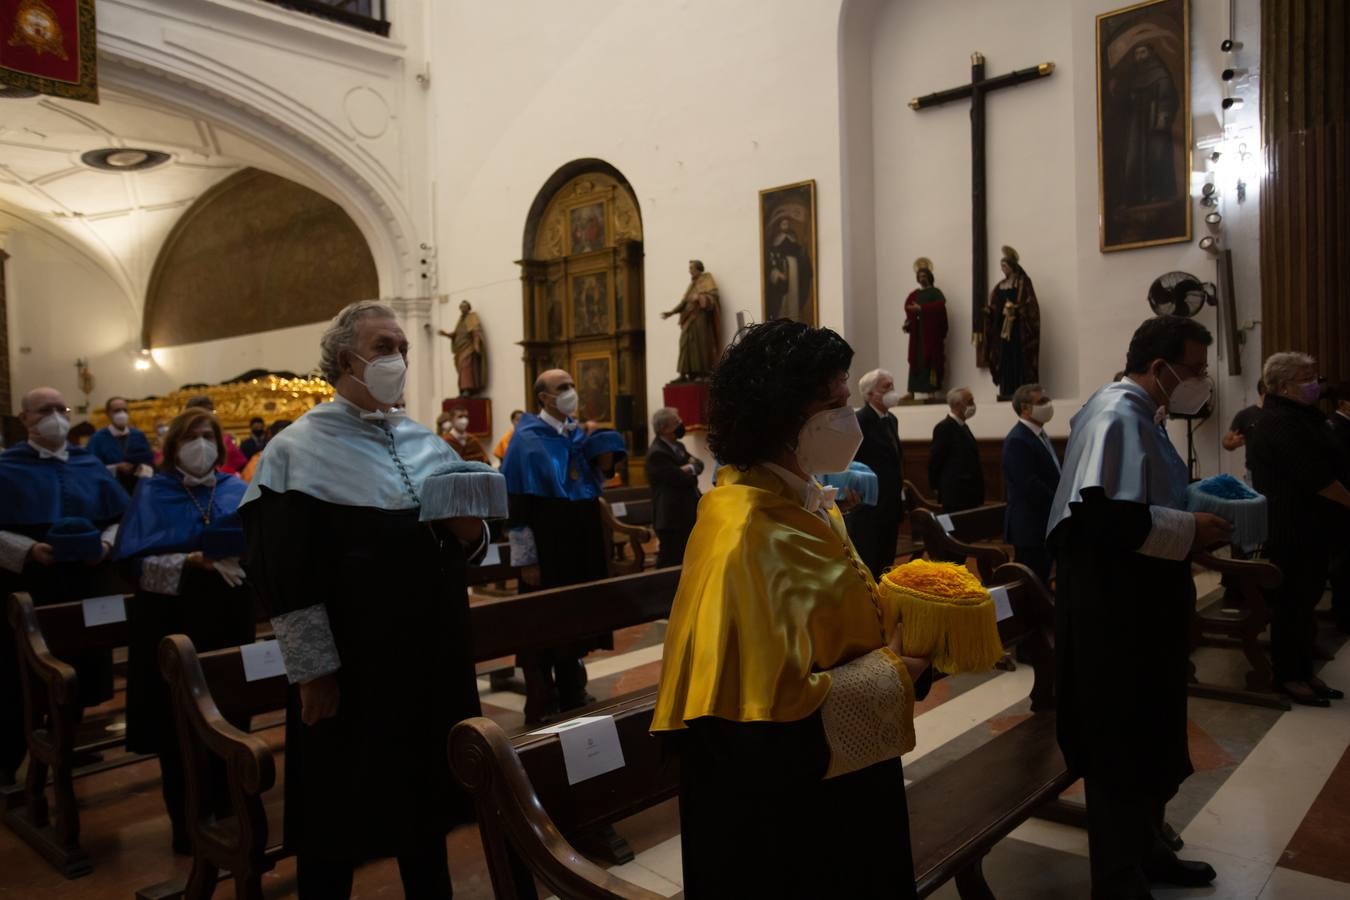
679 431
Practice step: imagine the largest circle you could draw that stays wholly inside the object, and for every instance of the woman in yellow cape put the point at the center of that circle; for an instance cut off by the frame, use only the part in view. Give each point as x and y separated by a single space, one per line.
784 689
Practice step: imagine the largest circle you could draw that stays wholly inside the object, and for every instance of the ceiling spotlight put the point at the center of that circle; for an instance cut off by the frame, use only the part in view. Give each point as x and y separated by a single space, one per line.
124 159
1232 102
1230 74
1213 218
1230 46
1209 243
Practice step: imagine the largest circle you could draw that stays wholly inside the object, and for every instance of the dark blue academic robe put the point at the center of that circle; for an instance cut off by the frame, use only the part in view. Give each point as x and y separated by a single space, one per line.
111 450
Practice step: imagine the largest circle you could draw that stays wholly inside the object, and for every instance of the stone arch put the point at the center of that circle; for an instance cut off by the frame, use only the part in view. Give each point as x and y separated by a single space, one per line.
256 253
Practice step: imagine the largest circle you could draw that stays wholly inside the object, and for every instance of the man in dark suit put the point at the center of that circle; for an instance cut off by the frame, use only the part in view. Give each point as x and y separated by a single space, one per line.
874 529
673 473
1031 477
1340 558
954 466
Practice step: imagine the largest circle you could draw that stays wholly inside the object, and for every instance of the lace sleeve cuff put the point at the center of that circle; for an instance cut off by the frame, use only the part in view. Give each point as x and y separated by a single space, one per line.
868 714
163 574
1172 534
523 550
14 551
307 645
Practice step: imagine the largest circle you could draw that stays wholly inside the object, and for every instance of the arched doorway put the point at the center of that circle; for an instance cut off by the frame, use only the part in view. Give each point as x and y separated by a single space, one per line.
581 275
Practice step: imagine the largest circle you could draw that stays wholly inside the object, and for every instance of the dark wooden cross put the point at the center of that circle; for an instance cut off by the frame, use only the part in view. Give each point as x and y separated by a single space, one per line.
978 87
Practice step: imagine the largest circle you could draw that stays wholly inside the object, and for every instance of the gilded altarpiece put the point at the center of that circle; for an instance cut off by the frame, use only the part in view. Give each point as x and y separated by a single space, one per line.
583 304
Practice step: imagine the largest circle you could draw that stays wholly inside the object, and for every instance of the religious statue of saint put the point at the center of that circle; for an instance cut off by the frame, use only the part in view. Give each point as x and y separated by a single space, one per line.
926 325
1012 328
698 312
466 342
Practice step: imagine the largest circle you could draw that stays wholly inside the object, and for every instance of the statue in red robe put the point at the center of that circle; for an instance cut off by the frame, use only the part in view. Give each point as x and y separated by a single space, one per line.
926 325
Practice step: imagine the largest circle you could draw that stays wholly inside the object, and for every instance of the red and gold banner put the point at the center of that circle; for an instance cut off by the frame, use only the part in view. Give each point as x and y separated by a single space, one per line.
48 46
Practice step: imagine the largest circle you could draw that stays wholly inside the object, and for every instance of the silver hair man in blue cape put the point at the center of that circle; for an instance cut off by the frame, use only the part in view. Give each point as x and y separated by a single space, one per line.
1121 539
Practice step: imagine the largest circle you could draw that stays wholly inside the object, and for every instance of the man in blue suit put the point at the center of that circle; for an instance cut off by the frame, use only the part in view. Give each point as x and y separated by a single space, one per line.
1031 477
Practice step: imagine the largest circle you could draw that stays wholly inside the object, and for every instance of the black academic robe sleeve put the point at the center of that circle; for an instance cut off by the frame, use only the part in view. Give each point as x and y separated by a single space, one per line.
289 557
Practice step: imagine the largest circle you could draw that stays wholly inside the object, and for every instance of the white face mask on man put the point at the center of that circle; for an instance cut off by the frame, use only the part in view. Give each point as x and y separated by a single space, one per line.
385 378
53 430
890 398
197 456
828 441
120 418
1042 413
568 402
1189 396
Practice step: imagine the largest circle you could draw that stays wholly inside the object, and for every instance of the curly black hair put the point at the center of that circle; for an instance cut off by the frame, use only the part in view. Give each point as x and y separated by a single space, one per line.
763 384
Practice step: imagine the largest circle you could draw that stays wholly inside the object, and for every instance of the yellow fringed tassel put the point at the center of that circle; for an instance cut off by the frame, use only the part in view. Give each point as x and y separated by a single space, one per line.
948 615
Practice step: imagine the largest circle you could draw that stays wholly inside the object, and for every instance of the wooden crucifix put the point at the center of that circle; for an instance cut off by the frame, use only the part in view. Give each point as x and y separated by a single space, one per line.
978 87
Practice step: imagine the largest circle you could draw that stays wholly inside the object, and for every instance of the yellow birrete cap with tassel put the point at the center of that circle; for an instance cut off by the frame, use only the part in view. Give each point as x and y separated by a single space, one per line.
948 615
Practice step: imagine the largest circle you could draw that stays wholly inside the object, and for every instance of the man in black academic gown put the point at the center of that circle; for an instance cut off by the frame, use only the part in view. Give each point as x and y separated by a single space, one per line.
954 464
875 529
44 482
1121 539
554 472
370 608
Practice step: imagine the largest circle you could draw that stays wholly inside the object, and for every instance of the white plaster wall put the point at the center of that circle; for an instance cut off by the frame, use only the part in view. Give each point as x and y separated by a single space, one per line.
698 104
1042 190
210 362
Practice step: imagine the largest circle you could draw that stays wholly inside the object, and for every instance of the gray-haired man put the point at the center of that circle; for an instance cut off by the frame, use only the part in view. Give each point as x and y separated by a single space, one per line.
673 473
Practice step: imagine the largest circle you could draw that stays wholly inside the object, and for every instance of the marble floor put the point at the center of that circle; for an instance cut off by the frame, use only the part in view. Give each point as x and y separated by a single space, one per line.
1269 805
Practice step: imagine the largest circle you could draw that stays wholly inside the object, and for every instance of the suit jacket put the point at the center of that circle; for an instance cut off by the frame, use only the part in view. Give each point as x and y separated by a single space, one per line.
1031 478
881 452
674 491
954 468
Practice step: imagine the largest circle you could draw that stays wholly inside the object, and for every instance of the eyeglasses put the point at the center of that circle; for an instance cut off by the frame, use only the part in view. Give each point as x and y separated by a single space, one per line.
53 408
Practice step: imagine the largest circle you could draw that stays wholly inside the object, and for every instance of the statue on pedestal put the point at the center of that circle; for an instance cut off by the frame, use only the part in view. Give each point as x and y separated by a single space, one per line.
470 350
926 325
1012 328
698 312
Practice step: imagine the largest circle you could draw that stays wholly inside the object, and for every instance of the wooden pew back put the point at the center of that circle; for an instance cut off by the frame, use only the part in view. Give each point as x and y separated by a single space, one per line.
968 527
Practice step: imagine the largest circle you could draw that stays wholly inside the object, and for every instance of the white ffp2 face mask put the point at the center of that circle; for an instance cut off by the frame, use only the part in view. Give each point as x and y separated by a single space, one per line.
385 378
1189 396
120 418
1042 413
197 456
890 398
569 402
828 441
53 429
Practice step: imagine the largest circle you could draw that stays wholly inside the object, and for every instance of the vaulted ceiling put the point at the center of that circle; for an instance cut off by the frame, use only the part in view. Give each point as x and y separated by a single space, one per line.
121 219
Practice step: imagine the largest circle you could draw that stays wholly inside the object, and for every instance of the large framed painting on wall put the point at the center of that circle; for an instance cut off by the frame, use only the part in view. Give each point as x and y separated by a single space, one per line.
594 374
590 305
787 240
1144 125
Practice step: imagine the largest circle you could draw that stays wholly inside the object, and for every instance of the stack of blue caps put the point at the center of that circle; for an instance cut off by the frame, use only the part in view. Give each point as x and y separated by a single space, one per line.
858 477
1225 496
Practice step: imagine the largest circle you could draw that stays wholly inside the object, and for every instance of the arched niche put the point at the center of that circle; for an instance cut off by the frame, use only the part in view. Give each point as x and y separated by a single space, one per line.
256 253
581 276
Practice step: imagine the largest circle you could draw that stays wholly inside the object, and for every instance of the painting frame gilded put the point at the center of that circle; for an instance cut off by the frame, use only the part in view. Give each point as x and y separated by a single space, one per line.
1143 170
583 367
782 294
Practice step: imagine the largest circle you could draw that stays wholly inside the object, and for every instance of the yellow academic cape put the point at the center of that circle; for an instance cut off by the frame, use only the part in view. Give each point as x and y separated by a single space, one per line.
770 597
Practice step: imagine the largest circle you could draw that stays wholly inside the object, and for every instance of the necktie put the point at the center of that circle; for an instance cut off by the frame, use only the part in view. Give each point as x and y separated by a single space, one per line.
1050 448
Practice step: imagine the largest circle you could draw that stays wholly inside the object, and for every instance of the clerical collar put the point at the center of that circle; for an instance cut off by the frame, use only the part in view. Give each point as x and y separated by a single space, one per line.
814 497
190 480
1035 427
557 425
43 453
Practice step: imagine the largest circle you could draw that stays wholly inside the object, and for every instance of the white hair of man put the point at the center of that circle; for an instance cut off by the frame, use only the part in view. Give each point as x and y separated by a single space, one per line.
663 418
869 381
958 397
341 334
1282 369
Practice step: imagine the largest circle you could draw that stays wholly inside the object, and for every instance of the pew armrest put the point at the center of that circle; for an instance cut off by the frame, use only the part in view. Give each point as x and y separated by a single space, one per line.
635 536
942 546
519 837
34 656
914 499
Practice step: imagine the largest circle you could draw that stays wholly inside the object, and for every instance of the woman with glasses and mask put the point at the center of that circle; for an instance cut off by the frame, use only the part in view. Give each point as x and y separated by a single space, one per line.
180 544
784 687
1294 462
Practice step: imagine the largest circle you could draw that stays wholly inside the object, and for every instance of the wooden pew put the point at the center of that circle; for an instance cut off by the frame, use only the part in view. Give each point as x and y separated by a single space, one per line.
619 535
983 525
528 813
202 685
1240 629
908 545
43 635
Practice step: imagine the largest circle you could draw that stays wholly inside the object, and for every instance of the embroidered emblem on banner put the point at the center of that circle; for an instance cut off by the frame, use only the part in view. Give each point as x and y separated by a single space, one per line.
37 27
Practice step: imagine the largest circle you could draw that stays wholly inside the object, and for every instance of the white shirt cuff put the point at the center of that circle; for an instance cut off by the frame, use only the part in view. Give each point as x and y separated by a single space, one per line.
14 551
523 549
1172 535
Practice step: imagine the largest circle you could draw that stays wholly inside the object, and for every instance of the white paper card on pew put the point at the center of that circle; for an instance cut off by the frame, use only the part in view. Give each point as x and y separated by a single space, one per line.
1002 604
590 746
104 610
946 522
620 510
262 659
493 556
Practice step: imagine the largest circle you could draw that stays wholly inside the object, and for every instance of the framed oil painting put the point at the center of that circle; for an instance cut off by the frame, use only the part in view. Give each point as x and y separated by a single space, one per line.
594 374
1144 125
787 240
590 305
587 227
